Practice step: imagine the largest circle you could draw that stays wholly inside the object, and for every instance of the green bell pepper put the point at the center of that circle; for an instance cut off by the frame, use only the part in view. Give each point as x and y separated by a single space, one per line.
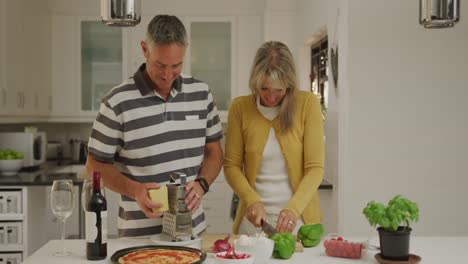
285 245
310 235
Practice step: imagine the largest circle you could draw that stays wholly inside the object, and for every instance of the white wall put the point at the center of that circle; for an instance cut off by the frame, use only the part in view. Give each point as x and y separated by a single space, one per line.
407 127
311 19
401 122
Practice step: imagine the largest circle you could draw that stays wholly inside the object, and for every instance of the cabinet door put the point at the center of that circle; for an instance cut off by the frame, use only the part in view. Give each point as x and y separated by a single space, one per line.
14 45
101 62
87 61
38 84
24 56
65 86
212 53
3 91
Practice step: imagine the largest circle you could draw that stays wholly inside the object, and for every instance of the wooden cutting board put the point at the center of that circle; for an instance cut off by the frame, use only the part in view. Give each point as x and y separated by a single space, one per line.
208 241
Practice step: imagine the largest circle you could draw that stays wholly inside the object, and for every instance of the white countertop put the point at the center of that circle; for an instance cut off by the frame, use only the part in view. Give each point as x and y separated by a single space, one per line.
435 250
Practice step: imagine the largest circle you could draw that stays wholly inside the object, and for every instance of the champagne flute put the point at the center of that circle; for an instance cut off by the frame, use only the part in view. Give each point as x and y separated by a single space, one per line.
62 206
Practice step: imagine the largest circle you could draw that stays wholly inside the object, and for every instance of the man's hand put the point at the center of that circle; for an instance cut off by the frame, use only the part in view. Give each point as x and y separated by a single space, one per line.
143 200
286 221
194 194
255 213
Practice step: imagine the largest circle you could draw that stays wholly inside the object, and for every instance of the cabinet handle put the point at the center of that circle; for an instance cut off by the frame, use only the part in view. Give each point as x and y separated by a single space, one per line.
50 102
4 95
36 100
18 103
22 100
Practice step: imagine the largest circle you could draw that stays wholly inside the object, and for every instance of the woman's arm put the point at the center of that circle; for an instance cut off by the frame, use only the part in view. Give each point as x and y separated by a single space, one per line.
234 157
313 148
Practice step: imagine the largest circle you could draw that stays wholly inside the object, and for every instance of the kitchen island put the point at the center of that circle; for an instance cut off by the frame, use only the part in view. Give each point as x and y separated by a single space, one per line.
436 250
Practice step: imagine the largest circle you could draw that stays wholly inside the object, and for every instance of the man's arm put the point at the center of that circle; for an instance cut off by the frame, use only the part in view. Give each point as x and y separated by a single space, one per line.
117 182
209 170
213 161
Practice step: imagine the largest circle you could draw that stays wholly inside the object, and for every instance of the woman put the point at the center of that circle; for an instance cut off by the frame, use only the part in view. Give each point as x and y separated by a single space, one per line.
274 147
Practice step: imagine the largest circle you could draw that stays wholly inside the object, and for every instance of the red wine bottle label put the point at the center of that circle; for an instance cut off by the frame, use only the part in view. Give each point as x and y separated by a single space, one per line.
92 227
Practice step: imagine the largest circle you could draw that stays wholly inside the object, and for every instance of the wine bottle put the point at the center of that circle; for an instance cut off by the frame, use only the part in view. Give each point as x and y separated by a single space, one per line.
96 222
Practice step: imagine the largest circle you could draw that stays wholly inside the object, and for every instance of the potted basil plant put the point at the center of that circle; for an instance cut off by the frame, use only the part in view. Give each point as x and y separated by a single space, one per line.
393 223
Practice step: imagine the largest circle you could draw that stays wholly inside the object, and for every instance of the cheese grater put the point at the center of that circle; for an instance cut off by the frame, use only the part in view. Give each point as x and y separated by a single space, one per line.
177 221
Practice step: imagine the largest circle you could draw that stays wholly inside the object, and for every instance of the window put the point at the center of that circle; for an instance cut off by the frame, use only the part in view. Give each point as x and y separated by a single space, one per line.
319 71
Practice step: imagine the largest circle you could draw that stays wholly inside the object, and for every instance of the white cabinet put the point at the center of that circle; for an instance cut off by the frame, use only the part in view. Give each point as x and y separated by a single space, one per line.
24 57
13 224
10 258
3 91
64 67
14 60
212 54
43 225
53 224
88 59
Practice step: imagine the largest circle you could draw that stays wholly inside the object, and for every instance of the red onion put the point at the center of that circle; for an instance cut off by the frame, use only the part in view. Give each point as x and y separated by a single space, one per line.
221 245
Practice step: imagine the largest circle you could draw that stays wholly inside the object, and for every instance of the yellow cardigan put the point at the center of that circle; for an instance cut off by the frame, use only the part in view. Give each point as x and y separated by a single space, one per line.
302 147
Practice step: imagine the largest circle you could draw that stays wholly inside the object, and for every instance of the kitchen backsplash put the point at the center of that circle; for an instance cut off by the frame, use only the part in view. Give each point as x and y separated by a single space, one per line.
61 132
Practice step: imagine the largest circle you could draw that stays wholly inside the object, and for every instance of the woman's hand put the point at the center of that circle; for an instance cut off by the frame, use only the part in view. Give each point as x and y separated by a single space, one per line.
286 221
255 213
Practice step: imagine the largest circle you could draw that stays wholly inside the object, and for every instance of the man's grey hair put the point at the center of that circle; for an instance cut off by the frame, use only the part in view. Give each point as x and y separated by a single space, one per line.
166 29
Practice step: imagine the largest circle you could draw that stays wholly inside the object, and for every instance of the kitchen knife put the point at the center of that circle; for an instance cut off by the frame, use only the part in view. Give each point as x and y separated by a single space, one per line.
267 228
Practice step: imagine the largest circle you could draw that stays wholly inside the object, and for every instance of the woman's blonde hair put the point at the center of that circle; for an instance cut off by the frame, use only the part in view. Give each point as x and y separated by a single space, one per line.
275 62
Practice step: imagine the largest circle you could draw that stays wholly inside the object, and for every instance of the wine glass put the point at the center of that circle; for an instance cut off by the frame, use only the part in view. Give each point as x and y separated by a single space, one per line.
62 206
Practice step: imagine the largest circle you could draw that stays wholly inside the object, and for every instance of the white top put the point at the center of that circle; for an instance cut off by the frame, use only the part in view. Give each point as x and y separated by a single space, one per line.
432 250
272 183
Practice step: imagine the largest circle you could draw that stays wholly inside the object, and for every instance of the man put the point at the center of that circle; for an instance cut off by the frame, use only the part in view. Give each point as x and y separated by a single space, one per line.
153 124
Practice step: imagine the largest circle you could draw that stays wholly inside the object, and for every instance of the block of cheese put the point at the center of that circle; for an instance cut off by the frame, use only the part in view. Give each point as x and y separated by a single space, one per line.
159 196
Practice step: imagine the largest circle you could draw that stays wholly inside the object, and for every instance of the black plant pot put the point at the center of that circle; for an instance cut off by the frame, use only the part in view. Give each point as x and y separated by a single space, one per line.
394 245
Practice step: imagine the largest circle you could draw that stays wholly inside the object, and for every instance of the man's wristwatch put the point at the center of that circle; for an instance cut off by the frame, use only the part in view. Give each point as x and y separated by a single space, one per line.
203 183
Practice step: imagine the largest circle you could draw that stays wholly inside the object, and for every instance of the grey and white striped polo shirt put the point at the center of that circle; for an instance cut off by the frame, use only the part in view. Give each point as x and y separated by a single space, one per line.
147 137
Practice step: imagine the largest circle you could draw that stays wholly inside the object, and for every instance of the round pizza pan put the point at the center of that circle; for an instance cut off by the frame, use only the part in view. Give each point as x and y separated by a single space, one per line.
122 252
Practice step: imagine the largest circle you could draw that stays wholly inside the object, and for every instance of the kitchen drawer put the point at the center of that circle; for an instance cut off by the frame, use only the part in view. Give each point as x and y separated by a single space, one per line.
11 233
10 202
10 258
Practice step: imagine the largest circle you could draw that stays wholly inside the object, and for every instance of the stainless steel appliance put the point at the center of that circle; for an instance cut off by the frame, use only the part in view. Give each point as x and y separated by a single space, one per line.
439 13
79 150
177 222
123 13
54 150
32 144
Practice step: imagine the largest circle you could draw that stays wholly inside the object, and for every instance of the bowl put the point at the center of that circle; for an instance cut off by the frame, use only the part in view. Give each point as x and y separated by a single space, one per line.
10 167
260 247
220 260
